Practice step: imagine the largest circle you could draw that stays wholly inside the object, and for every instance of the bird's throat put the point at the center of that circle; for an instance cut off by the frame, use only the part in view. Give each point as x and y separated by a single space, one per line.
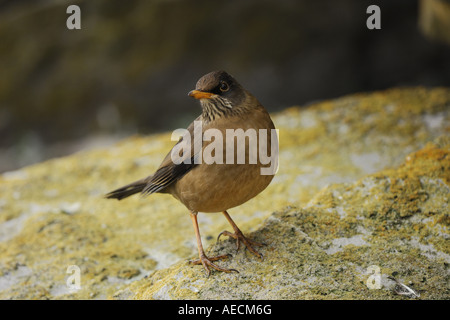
215 108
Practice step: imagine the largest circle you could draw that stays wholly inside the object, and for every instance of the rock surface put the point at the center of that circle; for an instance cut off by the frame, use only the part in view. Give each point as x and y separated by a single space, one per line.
363 181
394 222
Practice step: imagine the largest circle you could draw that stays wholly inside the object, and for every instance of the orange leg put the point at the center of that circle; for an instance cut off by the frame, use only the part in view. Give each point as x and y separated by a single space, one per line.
239 236
203 259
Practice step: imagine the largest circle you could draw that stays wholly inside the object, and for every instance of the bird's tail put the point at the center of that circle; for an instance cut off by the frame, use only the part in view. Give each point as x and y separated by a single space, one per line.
127 190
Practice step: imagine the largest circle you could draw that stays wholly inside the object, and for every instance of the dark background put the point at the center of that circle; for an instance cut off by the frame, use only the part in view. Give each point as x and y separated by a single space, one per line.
129 68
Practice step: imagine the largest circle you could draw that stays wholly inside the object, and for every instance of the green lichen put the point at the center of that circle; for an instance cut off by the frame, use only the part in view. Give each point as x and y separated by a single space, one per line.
395 215
316 253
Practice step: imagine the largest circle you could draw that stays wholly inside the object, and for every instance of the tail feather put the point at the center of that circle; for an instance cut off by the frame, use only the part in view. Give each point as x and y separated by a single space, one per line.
127 190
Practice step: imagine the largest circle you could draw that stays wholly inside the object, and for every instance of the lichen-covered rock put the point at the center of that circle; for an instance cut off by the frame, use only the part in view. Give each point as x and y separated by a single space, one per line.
394 222
53 215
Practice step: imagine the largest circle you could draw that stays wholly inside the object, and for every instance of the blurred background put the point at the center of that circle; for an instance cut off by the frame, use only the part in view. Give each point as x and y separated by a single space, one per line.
130 67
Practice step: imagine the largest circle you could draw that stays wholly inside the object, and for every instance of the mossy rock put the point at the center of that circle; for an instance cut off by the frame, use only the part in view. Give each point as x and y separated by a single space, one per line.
358 185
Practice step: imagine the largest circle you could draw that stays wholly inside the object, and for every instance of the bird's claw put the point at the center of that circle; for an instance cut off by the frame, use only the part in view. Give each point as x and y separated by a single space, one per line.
208 263
239 236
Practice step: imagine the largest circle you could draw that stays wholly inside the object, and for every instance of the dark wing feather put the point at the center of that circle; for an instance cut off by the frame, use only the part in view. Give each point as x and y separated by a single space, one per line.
169 172
165 176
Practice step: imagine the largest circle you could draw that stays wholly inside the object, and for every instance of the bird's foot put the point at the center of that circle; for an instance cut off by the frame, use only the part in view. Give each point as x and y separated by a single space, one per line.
249 244
207 263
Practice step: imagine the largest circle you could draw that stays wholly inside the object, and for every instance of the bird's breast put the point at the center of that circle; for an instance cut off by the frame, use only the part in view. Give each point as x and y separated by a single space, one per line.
229 172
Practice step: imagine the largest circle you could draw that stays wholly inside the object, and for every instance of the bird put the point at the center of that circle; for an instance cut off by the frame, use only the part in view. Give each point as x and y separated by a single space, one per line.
214 187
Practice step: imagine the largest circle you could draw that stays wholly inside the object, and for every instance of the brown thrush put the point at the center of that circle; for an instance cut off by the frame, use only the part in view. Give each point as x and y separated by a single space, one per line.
214 187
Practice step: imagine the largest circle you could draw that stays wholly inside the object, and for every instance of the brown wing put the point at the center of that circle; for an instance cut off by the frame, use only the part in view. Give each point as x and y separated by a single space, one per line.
169 172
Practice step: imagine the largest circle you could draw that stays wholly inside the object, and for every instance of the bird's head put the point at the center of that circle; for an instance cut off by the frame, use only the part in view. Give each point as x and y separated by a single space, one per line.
219 94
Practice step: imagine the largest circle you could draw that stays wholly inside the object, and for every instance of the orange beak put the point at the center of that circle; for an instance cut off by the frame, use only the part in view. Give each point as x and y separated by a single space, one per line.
200 94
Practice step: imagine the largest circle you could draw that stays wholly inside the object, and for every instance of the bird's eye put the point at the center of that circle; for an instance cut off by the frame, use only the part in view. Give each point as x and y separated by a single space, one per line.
224 86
